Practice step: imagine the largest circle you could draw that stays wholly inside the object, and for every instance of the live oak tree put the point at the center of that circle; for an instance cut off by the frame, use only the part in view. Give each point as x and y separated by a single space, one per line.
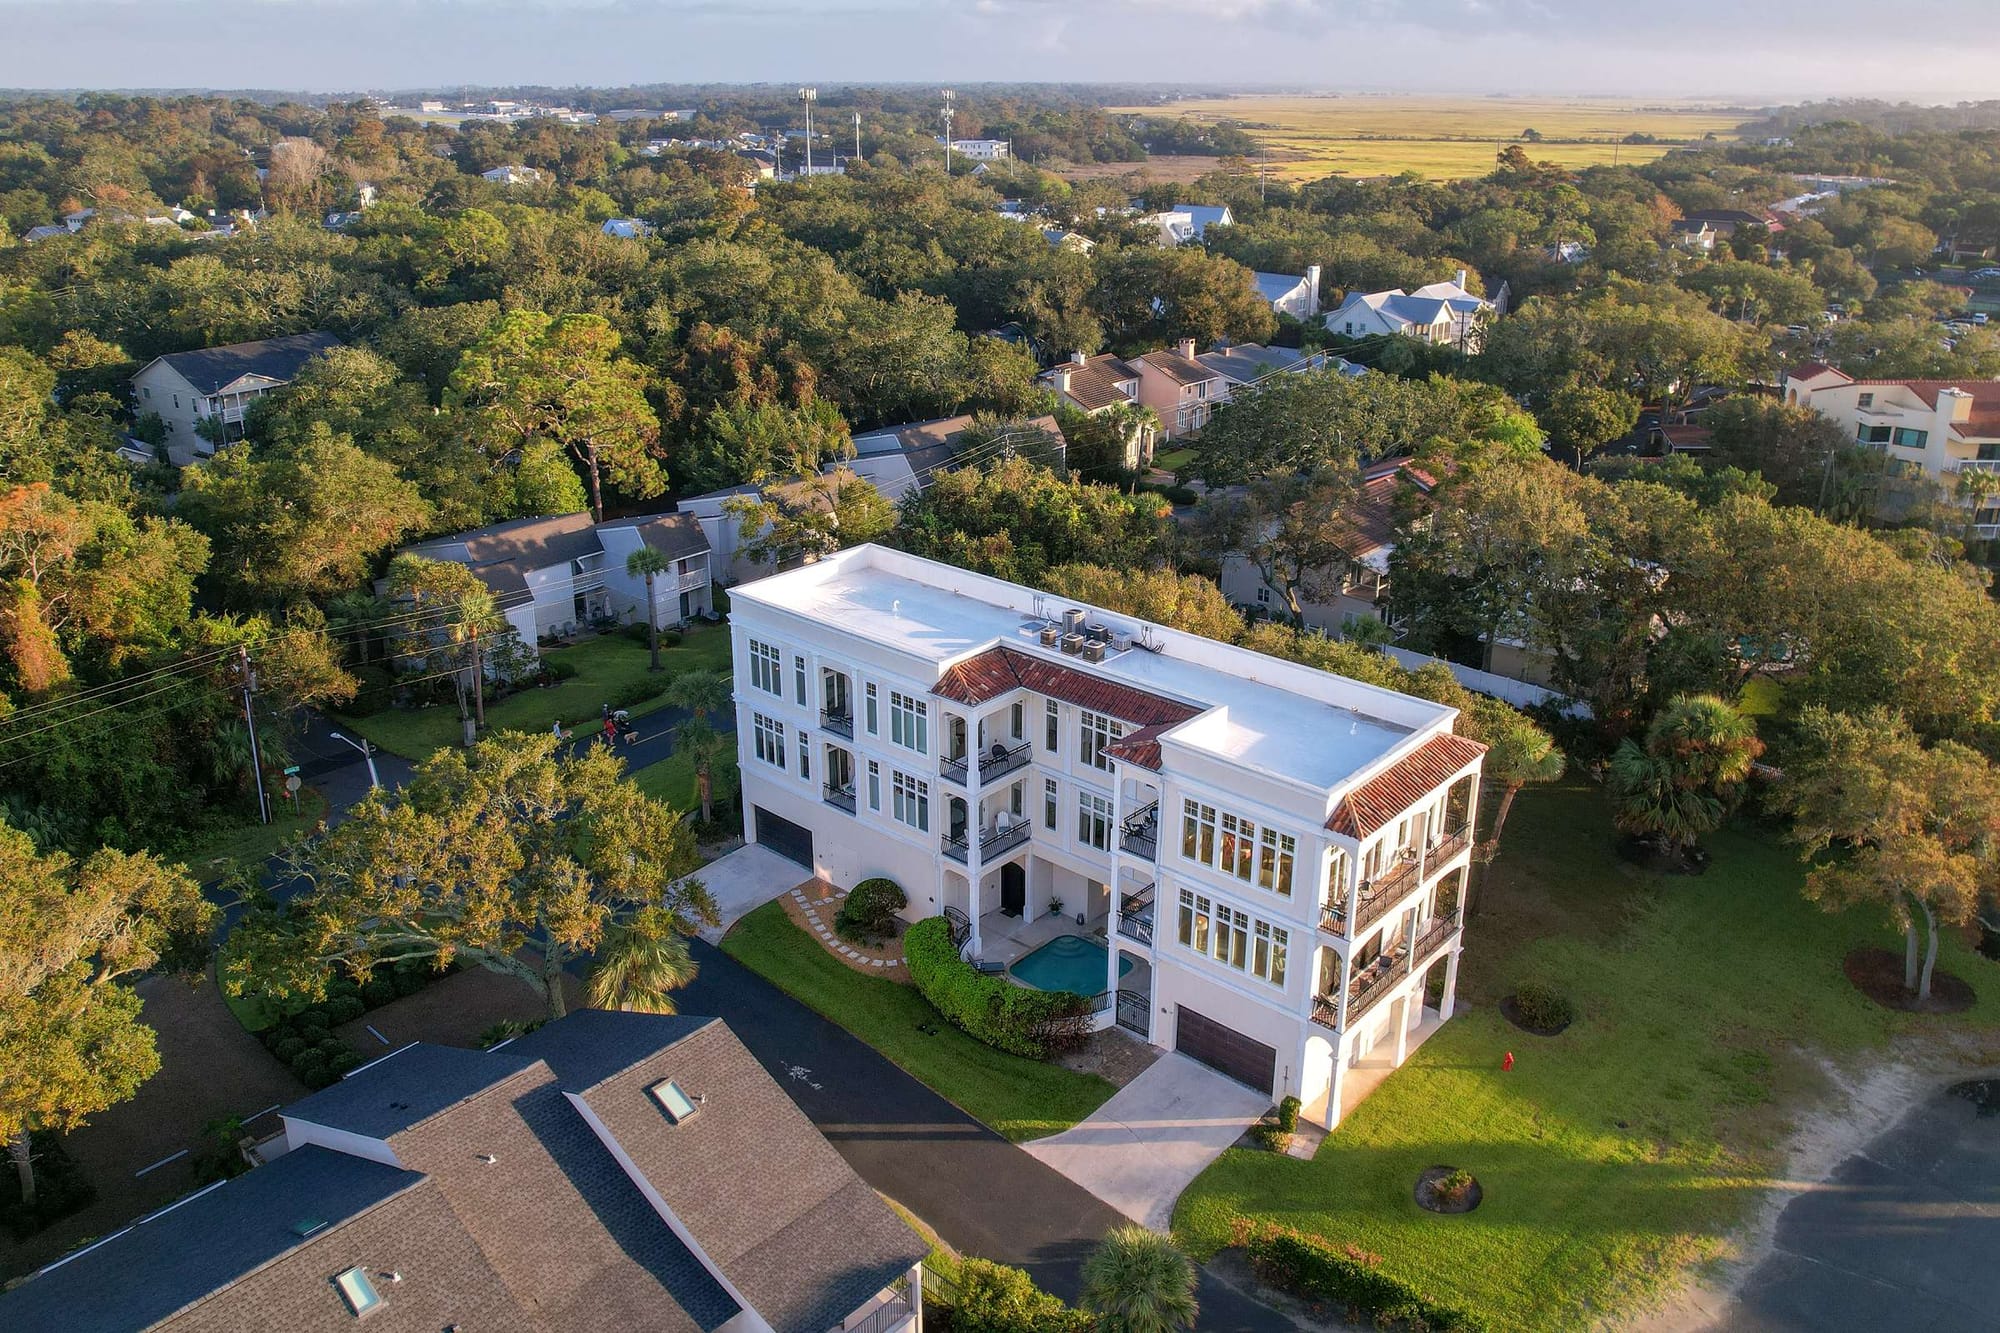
1292 530
510 855
540 383
1886 821
1186 602
791 522
71 1043
450 623
1015 519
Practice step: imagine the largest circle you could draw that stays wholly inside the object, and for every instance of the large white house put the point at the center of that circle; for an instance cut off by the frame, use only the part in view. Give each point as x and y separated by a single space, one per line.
1941 428
1244 859
1439 312
215 384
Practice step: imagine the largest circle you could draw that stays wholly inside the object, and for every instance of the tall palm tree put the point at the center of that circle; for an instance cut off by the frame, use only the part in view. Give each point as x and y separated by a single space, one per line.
1681 784
701 693
646 563
640 962
1138 1281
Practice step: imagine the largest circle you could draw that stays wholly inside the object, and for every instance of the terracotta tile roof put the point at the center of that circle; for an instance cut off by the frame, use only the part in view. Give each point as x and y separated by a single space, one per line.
990 674
1372 805
1812 370
1985 416
1141 748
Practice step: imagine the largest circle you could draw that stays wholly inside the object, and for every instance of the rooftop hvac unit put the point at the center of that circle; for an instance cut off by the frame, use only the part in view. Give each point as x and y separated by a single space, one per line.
1051 635
1093 650
1072 643
1073 620
1121 641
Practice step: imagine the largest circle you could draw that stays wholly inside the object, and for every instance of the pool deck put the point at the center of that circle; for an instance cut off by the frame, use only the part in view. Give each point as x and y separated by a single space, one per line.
1007 939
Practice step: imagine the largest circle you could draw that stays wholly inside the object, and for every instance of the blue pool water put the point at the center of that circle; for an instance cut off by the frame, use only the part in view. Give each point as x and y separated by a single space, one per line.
1068 962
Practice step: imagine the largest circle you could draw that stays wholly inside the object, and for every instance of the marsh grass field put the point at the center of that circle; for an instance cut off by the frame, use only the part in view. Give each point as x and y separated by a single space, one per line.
1447 138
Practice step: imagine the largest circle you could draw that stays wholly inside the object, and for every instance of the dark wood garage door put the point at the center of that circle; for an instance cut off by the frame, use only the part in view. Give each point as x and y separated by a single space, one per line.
792 841
1226 1050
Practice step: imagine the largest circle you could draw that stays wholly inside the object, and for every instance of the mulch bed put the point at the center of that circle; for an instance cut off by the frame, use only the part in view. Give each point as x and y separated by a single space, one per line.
1512 1013
1427 1195
1878 974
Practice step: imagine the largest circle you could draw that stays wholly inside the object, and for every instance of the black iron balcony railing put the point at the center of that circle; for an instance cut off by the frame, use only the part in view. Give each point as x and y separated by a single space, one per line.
839 723
841 798
995 764
1139 832
992 843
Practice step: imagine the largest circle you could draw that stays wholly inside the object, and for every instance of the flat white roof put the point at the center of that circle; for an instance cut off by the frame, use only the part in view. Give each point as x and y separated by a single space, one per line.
1284 719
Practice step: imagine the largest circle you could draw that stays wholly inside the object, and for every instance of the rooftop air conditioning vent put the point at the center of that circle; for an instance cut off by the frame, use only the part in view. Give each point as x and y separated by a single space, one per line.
1051 634
1073 620
1093 650
1121 641
1072 643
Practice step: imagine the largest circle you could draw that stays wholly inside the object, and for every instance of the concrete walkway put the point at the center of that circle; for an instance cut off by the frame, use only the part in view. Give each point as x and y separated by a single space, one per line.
745 880
1139 1150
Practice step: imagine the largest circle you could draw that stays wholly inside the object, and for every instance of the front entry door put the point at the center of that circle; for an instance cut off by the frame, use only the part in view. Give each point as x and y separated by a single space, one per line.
1013 889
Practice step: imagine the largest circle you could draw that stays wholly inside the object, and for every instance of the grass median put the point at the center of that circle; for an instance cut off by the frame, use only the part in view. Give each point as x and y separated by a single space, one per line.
1021 1098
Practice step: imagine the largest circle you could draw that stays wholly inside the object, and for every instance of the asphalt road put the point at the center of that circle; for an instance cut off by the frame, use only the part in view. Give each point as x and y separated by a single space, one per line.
1904 1236
983 1195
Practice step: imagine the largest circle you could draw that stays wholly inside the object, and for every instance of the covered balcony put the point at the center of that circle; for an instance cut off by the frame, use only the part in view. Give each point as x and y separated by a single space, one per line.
1139 832
836 714
998 739
1373 981
1135 916
838 790
997 762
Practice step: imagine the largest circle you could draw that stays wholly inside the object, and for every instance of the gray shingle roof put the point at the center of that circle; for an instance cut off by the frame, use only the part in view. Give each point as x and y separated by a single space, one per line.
211 369
405 1088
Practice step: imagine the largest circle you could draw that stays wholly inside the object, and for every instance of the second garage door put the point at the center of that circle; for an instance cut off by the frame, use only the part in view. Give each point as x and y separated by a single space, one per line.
1225 1049
792 841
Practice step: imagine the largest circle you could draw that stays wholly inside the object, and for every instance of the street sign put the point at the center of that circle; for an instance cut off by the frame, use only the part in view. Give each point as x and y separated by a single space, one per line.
291 769
292 784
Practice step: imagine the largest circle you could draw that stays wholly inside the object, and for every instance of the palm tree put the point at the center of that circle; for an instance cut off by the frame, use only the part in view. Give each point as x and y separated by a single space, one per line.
1138 1281
1682 783
639 963
646 563
701 693
1370 632
1518 753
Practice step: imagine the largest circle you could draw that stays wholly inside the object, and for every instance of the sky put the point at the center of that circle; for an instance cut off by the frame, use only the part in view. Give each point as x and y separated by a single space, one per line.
1772 50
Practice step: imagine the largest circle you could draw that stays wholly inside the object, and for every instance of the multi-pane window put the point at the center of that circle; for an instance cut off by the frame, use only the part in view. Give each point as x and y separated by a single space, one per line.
1049 803
1911 439
909 722
1052 728
766 668
1093 820
1198 832
1017 716
1276 853
874 785
1098 731
1234 845
1239 840
1233 937
874 725
805 756
911 801
799 680
768 738
1017 799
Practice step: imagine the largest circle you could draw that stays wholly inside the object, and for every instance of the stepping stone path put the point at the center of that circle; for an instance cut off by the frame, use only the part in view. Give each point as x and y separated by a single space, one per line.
831 899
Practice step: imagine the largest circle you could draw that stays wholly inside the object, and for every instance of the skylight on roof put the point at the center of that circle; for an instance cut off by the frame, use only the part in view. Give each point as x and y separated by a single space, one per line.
672 1100
357 1291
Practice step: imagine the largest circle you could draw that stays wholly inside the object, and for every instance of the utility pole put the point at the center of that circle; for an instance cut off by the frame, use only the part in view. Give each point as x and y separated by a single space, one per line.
857 134
249 674
809 96
947 131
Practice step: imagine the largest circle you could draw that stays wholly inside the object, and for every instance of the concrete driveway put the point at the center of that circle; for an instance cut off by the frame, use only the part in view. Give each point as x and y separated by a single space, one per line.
1139 1150
745 880
1902 1236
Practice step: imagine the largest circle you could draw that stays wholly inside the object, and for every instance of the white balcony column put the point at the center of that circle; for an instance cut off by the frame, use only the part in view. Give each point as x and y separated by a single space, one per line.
1113 913
973 829
1410 1005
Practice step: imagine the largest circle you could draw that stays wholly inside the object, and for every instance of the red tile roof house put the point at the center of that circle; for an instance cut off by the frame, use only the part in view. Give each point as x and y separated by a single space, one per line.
1940 428
1243 859
611 1170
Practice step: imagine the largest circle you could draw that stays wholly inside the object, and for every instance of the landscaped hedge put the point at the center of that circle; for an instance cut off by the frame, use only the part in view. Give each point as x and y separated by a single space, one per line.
1543 1006
1348 1277
304 1040
987 1297
1034 1023
869 912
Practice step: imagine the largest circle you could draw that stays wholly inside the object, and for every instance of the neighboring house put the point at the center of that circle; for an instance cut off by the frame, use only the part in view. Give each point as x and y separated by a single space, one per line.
895 460
1245 363
1182 392
762 164
1693 234
1940 428
1361 586
1267 861
1098 385
1288 295
1566 252
1684 437
1188 222
216 384
610 1170
982 150
33 234
1068 240
630 229
1442 313
513 175
1725 221
552 576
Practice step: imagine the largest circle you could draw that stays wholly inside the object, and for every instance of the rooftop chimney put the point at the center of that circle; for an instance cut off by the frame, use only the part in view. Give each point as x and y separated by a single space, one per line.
1462 276
1312 290
1955 404
1078 359
1062 380
1185 347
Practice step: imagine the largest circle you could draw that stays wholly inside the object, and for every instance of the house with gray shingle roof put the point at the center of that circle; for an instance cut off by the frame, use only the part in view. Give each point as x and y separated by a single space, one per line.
215 385
1443 313
611 1170
557 574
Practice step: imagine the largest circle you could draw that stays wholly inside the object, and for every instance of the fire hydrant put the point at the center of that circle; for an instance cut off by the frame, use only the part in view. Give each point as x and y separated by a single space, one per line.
1507 1061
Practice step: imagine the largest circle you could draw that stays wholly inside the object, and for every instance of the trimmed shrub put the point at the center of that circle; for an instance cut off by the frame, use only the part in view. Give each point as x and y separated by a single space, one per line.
869 912
993 1298
638 632
635 692
1349 1277
1288 1115
410 980
378 992
310 1069
558 669
1454 1187
1543 1006
1034 1023
670 638
344 1009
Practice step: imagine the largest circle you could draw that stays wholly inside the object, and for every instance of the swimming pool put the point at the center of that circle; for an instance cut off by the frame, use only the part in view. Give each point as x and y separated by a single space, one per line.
1068 962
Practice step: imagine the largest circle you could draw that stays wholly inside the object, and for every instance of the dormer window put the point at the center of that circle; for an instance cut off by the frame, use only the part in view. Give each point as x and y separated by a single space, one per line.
1865 401
677 1104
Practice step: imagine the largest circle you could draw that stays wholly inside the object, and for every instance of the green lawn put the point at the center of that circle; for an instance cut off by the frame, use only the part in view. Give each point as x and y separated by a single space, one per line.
672 780
249 842
1173 460
604 666
1628 1146
1021 1098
